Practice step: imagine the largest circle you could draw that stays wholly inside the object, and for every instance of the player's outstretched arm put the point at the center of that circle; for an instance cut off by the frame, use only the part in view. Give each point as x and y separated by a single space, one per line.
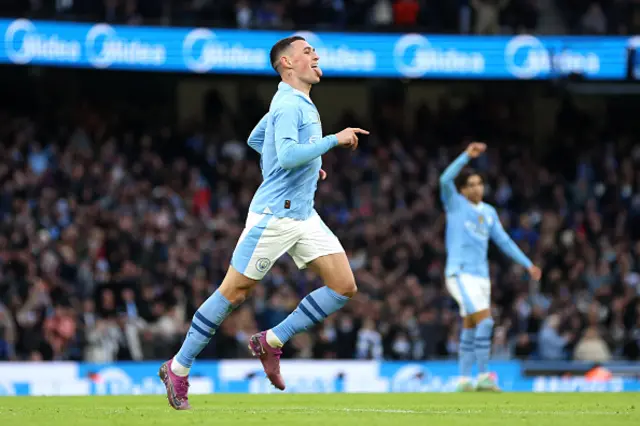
291 153
447 186
256 138
510 248
448 190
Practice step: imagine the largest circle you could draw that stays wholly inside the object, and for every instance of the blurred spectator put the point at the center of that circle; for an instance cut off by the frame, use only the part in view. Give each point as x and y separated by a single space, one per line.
270 14
405 12
7 334
382 13
552 344
369 344
244 14
487 15
591 347
500 348
594 20
522 16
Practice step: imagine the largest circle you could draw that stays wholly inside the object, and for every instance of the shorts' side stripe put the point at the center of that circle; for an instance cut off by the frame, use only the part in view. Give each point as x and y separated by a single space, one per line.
243 253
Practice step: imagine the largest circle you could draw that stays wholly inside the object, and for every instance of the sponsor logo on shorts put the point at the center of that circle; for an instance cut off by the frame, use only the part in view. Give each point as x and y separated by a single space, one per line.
263 264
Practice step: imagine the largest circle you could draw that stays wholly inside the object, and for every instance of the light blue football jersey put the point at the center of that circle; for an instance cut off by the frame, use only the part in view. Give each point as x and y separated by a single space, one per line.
289 139
469 228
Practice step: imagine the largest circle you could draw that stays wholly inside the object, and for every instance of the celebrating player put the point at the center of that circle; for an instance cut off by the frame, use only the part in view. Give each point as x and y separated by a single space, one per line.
281 220
470 224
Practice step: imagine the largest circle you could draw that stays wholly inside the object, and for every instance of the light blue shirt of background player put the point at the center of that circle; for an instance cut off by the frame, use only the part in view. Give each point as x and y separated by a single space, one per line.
471 223
289 140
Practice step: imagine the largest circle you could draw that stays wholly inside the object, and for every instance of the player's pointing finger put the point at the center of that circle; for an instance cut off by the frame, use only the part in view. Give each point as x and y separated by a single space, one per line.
361 131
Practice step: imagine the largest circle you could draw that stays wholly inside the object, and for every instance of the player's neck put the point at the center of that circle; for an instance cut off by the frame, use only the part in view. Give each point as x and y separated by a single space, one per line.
297 84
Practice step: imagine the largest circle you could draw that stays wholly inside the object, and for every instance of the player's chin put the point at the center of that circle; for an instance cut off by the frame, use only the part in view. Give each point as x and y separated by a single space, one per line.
314 78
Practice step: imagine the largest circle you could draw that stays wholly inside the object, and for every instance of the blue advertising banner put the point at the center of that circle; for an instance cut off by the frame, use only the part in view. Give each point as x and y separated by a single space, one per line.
202 50
244 377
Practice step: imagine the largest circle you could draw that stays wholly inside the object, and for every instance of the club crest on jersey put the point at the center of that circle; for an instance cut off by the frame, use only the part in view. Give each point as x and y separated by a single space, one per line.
477 229
314 117
480 219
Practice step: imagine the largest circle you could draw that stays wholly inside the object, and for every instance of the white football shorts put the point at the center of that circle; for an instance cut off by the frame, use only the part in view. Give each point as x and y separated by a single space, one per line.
266 238
472 293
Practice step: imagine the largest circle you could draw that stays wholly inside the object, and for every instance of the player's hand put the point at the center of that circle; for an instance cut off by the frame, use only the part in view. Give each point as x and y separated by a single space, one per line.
535 272
323 174
475 149
348 138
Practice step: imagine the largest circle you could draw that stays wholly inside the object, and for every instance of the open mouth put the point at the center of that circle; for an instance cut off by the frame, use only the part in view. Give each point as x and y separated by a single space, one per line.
317 70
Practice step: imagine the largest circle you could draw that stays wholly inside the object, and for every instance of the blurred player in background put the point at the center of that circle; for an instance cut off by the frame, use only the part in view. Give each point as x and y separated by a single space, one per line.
470 225
281 220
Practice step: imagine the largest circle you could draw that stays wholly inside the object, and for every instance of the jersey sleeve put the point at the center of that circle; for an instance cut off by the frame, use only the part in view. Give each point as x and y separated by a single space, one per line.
290 152
448 192
506 244
256 138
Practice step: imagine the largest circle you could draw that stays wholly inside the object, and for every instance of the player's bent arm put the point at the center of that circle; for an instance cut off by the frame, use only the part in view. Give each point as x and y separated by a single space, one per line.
256 138
447 185
290 152
507 245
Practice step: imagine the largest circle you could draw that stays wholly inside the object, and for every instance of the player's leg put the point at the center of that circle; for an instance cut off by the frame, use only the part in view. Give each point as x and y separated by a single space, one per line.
319 249
339 287
175 372
251 260
484 332
466 349
313 309
234 290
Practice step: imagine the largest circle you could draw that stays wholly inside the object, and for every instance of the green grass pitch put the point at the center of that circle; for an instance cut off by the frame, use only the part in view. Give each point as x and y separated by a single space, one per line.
476 409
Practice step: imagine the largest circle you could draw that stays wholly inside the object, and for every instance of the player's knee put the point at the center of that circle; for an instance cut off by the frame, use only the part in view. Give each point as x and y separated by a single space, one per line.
236 294
237 297
348 288
236 288
468 322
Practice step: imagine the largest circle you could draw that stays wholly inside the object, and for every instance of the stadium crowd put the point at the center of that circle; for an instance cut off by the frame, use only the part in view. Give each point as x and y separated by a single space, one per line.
463 16
112 234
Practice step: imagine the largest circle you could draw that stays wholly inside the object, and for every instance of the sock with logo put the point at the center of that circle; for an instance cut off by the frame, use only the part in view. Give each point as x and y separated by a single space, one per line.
313 309
205 322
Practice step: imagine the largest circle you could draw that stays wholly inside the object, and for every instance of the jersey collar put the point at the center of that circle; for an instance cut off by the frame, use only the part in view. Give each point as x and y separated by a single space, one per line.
286 87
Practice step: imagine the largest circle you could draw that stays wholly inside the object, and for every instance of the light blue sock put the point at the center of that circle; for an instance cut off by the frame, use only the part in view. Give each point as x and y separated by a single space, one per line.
467 355
313 309
484 331
205 322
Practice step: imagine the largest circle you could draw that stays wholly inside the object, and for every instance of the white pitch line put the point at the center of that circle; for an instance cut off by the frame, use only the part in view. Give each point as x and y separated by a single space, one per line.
461 412
436 411
319 410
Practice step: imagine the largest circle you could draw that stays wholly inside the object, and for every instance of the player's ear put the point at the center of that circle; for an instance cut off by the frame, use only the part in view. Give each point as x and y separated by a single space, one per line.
285 62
